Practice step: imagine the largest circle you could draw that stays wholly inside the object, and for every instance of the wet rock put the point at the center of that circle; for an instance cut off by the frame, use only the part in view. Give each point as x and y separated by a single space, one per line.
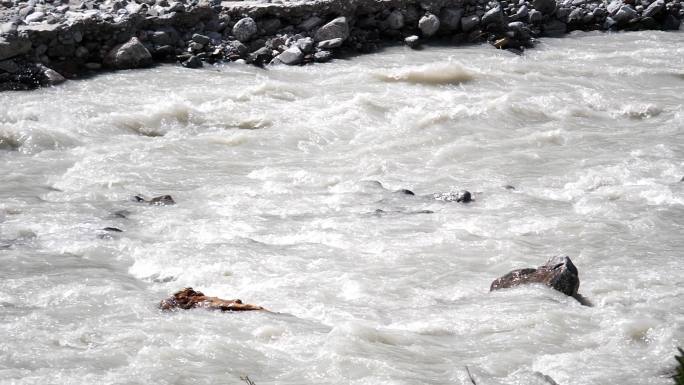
291 56
131 54
328 44
322 56
245 29
34 17
625 14
546 7
395 20
412 41
193 62
162 200
336 29
493 17
190 299
404 191
535 17
450 19
201 39
428 24
52 77
113 229
558 272
12 47
462 196
671 23
306 45
9 66
469 23
654 9
261 57
310 23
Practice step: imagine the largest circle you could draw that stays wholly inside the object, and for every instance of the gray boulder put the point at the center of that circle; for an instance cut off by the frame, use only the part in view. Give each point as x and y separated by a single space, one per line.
450 18
10 48
395 20
201 39
614 7
35 17
428 24
322 56
305 45
310 23
558 272
469 23
412 41
625 14
244 29
291 56
546 7
493 16
654 9
535 17
336 29
131 54
52 77
332 43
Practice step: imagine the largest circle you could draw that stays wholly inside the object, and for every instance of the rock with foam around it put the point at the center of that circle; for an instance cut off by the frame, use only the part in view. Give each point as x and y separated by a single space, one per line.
558 272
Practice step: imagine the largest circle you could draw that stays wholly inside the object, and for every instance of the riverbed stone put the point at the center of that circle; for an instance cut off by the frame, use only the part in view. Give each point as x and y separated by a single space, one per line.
322 56
395 20
469 23
12 47
245 29
306 45
450 18
131 54
625 14
193 62
291 56
654 9
335 29
546 7
412 41
493 17
428 24
329 44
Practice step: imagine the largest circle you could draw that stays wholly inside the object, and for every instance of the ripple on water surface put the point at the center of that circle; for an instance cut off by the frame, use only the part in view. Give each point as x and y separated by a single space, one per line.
575 147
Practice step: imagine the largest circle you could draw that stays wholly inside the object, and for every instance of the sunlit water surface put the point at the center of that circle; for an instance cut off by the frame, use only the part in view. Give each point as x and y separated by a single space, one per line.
274 176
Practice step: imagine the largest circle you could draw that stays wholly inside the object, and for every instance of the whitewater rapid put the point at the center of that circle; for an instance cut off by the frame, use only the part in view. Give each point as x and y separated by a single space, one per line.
275 177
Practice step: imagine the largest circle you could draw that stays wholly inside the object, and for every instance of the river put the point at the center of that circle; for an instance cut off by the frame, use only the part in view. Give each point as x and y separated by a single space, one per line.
275 174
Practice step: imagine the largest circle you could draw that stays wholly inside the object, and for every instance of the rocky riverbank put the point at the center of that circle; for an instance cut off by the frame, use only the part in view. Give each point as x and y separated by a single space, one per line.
45 42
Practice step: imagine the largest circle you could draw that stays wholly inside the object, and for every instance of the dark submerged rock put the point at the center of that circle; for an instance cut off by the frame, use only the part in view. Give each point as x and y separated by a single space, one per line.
463 196
190 299
558 272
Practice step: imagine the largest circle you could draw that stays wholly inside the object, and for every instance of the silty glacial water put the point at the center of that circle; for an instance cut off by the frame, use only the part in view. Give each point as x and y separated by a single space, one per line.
274 177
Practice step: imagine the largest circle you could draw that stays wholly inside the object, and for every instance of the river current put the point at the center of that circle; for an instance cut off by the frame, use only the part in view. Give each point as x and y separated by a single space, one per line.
285 185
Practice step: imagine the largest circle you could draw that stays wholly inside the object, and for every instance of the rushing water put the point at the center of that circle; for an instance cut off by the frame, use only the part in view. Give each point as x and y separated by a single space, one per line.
273 173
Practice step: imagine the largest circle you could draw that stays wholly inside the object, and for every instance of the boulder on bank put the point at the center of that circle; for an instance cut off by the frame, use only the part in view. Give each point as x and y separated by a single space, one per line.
244 29
190 299
558 272
131 54
428 24
11 47
336 29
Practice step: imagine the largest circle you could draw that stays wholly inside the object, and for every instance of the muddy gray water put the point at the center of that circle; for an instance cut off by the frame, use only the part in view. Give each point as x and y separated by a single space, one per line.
273 173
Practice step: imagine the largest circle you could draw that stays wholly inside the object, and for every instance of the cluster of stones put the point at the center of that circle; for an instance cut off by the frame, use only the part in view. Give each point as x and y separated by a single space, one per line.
42 41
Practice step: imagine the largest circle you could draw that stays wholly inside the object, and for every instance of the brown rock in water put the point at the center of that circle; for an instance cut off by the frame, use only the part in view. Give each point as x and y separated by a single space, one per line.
191 299
558 273
162 200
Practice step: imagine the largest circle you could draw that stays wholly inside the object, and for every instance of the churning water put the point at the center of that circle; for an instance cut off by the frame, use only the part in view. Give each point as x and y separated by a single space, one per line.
275 176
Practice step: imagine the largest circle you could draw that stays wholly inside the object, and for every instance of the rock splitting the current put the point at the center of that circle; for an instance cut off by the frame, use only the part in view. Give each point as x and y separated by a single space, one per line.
558 273
188 298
